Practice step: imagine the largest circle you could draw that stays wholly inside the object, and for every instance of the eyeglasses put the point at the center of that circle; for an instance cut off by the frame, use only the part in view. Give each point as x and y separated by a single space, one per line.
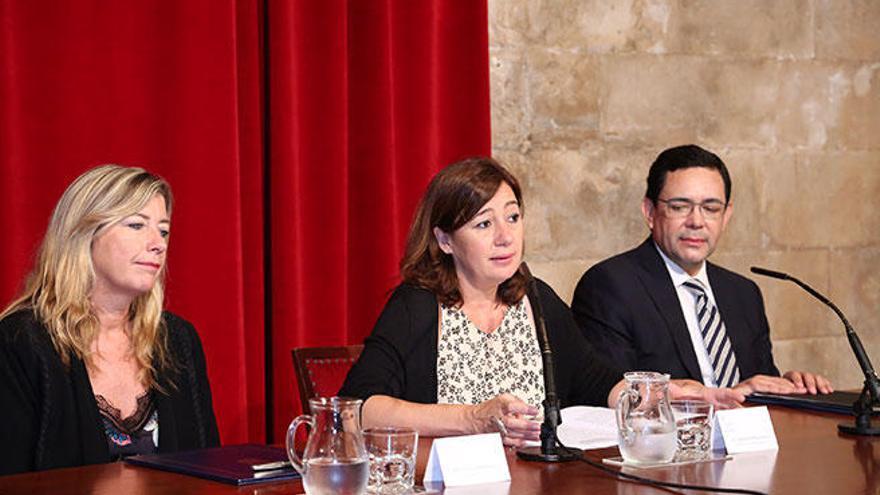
712 209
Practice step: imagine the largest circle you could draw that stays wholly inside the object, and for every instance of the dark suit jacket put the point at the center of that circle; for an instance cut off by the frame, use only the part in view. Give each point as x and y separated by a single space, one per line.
627 307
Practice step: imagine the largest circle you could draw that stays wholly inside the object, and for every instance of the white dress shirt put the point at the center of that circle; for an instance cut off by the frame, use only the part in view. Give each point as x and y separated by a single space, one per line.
688 306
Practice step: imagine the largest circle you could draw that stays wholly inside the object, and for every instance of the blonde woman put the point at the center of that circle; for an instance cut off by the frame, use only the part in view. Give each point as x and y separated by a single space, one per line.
91 368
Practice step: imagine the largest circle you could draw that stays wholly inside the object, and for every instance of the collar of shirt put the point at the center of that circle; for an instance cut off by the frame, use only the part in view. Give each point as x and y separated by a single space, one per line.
679 276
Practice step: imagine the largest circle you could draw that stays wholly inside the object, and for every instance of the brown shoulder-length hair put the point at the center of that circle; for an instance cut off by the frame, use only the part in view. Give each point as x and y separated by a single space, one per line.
454 196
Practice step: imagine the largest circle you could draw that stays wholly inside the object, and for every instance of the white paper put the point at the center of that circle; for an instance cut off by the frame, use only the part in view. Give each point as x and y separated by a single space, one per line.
587 428
467 460
747 430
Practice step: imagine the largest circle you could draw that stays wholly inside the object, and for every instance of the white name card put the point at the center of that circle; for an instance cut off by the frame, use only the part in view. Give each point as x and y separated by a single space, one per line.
747 430
467 460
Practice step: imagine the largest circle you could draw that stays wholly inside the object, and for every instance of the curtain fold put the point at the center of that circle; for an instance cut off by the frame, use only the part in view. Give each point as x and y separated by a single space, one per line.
368 101
297 137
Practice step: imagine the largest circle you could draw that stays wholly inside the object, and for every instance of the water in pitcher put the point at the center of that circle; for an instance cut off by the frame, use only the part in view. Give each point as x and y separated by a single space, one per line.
652 443
645 424
330 476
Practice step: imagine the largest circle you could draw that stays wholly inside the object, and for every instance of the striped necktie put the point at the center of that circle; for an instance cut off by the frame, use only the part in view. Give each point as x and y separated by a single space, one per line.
721 354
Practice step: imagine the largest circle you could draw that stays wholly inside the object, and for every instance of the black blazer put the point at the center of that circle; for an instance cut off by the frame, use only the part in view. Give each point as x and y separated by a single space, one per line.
400 355
627 307
49 415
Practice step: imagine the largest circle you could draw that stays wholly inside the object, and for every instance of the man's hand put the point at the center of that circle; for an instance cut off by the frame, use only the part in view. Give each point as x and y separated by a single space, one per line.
793 382
769 384
813 383
721 398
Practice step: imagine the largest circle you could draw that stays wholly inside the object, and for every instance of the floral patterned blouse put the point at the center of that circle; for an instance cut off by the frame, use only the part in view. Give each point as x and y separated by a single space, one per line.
474 366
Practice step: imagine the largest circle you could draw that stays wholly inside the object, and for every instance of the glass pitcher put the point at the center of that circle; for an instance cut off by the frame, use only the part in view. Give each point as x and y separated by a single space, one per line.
335 460
645 425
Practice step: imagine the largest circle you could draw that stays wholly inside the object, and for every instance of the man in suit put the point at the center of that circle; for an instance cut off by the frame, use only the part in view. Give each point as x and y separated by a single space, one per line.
663 307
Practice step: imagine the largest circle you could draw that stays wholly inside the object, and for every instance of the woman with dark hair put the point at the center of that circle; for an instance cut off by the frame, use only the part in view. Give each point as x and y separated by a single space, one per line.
91 368
454 351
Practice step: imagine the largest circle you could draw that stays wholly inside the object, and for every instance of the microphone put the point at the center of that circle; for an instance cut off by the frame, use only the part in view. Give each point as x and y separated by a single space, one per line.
770 273
548 451
863 407
785 276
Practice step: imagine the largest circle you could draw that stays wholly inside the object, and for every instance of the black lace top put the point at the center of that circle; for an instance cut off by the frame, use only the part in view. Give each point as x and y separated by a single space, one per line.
136 434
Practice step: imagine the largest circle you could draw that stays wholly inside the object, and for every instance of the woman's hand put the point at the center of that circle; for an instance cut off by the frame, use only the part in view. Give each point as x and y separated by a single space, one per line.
508 415
721 398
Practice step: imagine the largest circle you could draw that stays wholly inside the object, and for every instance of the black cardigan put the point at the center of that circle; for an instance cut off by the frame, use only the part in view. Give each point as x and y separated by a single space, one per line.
400 356
49 415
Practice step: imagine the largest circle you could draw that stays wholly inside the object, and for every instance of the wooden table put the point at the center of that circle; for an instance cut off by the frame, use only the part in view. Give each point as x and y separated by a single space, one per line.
812 458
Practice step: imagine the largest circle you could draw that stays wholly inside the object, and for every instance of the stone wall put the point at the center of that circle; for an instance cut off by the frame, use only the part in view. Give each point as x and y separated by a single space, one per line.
585 93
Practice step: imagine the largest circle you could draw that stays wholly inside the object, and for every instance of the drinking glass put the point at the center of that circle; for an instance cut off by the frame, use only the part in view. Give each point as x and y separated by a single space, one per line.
392 454
693 425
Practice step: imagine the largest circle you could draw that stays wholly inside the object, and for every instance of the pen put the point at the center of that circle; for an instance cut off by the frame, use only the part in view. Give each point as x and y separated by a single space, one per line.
270 466
268 474
500 425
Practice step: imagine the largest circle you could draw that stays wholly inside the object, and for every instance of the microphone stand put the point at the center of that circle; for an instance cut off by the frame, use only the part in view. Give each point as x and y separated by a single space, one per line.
548 451
863 407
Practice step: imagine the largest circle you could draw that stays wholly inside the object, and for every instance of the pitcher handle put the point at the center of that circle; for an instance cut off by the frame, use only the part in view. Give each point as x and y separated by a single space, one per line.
295 459
622 409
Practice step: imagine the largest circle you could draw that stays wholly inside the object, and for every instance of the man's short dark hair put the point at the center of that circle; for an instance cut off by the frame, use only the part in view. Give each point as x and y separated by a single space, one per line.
679 157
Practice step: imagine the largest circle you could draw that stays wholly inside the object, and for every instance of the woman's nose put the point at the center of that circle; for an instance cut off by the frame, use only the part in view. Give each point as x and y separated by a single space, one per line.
157 243
503 234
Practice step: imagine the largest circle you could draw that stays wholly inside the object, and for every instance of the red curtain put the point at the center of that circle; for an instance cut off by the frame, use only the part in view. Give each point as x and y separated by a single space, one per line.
368 100
297 136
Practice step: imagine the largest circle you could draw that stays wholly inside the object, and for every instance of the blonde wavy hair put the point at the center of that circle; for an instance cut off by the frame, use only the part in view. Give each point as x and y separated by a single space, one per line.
58 289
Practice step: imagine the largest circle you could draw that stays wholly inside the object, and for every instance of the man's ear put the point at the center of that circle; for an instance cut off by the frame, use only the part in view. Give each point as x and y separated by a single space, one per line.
443 240
728 212
649 210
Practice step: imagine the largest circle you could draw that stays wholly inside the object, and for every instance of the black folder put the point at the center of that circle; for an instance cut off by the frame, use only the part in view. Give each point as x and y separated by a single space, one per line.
835 402
230 464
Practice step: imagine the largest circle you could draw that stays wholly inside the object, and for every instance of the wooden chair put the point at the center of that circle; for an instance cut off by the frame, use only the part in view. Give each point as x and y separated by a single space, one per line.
320 371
